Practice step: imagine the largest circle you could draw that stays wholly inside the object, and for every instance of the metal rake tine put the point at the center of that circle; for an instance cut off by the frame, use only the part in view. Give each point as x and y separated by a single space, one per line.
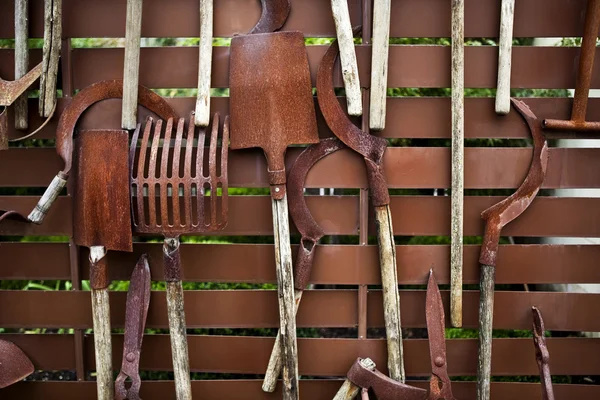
140 173
152 174
175 172
187 173
212 172
223 177
164 185
200 178
132 149
175 187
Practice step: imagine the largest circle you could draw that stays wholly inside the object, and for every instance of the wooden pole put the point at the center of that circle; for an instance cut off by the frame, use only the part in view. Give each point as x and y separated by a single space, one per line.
486 319
507 15
379 63
51 56
202 114
343 27
179 346
131 72
458 156
21 59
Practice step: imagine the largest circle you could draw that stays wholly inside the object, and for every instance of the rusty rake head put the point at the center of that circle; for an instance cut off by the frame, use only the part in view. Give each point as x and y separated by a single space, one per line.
174 189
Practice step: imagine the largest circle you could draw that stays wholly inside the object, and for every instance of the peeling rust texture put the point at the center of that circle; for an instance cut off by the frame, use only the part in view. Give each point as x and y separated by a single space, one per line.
273 16
14 364
383 386
11 90
542 355
271 98
499 215
305 223
4 129
370 147
136 313
584 77
439 385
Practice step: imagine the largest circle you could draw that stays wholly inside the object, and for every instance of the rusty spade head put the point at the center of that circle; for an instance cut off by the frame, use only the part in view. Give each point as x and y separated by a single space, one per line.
363 374
307 226
370 147
499 215
274 14
271 98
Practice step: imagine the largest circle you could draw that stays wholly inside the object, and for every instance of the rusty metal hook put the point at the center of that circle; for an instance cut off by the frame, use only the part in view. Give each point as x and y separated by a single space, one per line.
273 16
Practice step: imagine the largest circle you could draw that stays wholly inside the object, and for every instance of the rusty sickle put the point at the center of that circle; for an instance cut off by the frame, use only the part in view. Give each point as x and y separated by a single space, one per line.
364 375
274 14
110 89
584 77
542 355
496 218
311 234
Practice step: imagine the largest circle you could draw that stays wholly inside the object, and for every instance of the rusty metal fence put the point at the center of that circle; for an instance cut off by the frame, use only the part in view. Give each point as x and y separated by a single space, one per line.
356 266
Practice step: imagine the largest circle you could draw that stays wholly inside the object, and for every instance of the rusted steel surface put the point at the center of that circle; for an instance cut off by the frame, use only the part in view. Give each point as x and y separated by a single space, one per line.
364 375
11 90
584 76
439 384
273 16
267 69
136 312
305 223
542 355
14 364
4 129
501 214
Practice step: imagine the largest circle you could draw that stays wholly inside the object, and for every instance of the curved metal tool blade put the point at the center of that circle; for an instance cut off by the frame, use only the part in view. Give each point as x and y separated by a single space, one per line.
307 226
510 208
273 16
542 355
439 385
14 364
11 90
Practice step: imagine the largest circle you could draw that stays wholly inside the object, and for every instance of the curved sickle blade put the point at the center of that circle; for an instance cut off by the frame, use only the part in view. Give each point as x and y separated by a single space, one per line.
273 16
370 147
510 208
11 90
434 313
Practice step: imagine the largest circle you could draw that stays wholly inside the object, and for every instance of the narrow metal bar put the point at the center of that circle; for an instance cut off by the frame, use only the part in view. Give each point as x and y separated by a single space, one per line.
67 68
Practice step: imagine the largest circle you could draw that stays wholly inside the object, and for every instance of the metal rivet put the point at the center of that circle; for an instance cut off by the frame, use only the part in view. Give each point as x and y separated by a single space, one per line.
130 357
439 362
276 189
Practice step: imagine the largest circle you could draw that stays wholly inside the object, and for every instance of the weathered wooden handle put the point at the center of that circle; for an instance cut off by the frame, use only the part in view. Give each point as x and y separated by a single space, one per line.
202 112
507 15
486 316
343 28
275 361
458 157
131 72
391 298
102 343
21 59
348 391
379 63
179 346
287 307
51 56
43 206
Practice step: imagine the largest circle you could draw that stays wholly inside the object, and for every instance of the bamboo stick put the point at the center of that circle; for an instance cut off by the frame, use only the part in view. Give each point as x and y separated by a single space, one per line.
507 15
21 59
51 56
202 114
131 72
379 63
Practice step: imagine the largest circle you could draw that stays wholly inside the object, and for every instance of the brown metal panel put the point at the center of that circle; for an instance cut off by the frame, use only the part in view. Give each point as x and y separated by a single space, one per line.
39 261
57 222
47 352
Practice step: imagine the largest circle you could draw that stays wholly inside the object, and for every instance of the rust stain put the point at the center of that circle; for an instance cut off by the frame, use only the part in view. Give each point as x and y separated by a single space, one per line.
542 355
273 17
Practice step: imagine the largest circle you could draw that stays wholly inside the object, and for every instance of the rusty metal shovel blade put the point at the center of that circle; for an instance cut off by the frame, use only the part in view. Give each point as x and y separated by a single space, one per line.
14 364
102 214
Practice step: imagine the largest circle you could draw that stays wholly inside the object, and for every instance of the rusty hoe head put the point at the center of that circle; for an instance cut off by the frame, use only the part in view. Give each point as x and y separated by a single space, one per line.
364 375
305 223
499 215
274 14
542 355
271 98
175 187
111 89
370 147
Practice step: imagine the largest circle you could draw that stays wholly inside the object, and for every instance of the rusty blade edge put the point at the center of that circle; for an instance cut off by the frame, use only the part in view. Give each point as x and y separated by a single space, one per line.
273 16
137 303
11 90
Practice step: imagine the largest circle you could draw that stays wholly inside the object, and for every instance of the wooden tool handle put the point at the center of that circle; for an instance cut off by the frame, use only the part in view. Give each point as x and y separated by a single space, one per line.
458 160
507 15
391 298
348 391
379 63
51 56
43 206
21 59
287 307
131 73
179 346
202 113
275 361
343 28
486 316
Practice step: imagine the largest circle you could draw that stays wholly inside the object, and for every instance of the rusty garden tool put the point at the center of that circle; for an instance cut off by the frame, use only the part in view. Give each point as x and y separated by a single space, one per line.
11 90
311 234
110 89
363 375
273 16
542 355
507 17
496 218
372 149
439 385
161 211
131 68
102 223
51 56
271 108
202 113
14 364
584 77
138 301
